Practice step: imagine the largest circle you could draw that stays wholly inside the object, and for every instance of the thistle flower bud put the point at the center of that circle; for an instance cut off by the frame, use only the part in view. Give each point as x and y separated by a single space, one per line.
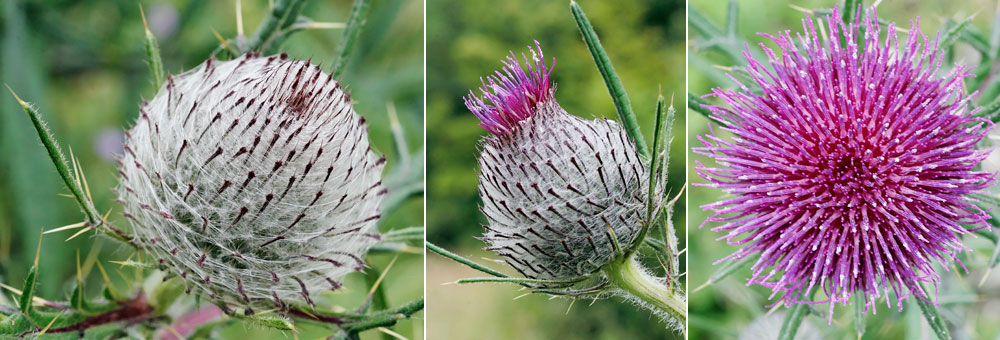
563 195
253 180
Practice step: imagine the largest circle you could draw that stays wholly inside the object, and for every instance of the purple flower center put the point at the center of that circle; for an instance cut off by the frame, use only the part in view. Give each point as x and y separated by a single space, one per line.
512 95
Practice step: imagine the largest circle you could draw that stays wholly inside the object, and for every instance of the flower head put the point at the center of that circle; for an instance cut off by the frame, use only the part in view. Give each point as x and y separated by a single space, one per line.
852 166
563 195
253 180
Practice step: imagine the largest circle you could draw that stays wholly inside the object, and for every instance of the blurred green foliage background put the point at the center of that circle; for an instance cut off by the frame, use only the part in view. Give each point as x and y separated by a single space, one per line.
83 64
725 310
465 41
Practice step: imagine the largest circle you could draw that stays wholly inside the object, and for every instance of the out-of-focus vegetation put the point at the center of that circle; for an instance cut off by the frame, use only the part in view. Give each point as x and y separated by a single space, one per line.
83 64
730 310
465 41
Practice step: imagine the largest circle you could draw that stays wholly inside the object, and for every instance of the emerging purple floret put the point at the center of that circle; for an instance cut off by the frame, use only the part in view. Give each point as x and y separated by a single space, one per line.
512 95
851 169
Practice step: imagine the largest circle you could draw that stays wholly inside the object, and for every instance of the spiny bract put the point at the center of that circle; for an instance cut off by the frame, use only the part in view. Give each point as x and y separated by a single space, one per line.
253 180
563 195
851 169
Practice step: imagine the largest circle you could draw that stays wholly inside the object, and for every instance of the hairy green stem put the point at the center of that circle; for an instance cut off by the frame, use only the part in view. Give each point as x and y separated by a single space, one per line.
267 27
462 260
630 277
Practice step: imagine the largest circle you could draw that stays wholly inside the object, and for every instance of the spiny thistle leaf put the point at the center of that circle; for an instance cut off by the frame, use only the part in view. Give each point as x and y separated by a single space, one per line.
28 292
56 155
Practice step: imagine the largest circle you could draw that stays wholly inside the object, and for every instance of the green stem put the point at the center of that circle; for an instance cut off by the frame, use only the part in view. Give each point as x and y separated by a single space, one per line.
630 277
611 80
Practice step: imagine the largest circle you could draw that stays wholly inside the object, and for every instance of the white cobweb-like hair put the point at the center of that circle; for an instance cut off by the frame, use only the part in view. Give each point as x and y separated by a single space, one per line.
253 179
563 195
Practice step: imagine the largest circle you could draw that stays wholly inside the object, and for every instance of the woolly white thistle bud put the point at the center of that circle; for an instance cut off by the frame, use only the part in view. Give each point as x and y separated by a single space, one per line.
253 180
564 196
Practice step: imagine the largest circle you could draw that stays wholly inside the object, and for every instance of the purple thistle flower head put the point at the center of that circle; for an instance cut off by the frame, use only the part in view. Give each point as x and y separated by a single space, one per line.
563 195
512 95
850 170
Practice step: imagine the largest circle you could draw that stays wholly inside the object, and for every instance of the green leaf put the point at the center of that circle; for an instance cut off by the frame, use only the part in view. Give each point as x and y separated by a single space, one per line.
56 155
728 268
990 111
953 34
696 103
850 13
732 19
267 320
28 292
934 319
723 43
359 14
611 80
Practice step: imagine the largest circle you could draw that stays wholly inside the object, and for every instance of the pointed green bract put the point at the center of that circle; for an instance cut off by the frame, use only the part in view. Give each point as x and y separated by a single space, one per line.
611 80
152 53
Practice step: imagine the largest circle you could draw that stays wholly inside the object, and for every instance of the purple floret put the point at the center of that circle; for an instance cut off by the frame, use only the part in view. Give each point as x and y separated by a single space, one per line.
513 94
851 170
